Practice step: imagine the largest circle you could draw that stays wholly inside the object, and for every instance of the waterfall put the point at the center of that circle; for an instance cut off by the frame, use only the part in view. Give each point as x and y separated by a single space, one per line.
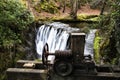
55 34
89 40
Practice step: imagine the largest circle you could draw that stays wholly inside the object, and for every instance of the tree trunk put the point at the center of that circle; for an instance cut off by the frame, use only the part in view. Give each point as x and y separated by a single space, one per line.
64 5
103 7
79 4
95 3
74 8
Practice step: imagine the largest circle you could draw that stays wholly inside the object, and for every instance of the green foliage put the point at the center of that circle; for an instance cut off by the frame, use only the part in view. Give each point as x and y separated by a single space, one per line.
47 7
116 16
4 63
97 48
14 20
116 32
110 33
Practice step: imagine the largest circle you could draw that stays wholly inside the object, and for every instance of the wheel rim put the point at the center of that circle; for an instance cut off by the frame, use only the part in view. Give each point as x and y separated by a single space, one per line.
45 54
63 68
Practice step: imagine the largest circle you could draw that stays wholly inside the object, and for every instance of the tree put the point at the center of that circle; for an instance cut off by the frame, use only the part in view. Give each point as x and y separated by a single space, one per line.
14 20
111 27
79 4
95 3
64 5
74 8
103 7
117 29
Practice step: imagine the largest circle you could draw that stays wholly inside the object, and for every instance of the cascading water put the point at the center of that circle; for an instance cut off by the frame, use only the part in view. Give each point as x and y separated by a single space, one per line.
55 34
88 50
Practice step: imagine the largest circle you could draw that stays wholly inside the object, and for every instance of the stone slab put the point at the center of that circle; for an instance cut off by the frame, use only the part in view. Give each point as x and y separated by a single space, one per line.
112 68
25 74
99 76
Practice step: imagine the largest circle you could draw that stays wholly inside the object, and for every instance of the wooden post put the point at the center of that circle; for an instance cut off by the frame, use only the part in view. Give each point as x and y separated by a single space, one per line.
77 46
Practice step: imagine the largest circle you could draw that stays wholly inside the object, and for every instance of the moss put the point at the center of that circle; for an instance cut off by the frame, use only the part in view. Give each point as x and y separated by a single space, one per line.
94 18
3 76
39 60
114 60
97 48
80 18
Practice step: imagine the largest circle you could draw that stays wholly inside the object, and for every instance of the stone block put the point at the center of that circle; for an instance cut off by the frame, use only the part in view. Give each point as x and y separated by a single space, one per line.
26 74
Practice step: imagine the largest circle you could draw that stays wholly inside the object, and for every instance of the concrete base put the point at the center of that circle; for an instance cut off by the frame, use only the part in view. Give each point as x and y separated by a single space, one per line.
40 73
99 76
26 74
27 70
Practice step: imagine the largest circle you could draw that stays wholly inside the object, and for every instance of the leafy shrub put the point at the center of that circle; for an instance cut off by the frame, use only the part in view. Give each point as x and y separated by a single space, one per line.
14 20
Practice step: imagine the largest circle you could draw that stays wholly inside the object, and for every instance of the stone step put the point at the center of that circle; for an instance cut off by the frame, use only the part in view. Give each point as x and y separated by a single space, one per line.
26 74
108 68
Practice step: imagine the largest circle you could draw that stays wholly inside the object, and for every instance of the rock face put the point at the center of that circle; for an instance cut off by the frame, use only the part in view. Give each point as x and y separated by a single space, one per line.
30 43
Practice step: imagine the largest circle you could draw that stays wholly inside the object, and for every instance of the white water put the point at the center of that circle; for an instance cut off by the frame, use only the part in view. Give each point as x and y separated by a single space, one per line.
55 34
89 40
